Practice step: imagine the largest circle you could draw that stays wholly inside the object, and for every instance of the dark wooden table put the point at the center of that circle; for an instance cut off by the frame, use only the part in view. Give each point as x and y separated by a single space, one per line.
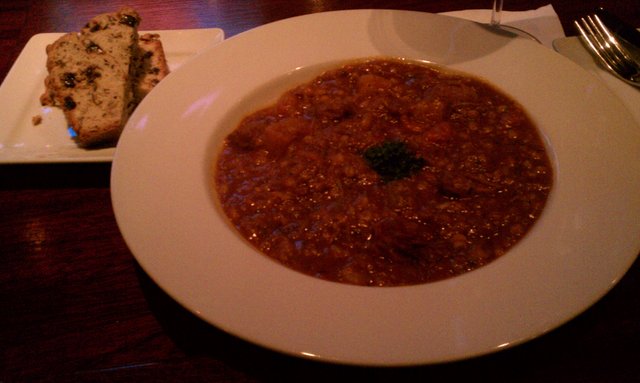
75 306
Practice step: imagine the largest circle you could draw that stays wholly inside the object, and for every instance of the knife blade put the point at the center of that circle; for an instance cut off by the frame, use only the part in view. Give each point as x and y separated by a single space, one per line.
619 27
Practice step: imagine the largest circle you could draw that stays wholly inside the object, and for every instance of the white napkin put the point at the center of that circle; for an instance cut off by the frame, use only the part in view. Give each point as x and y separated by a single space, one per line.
543 22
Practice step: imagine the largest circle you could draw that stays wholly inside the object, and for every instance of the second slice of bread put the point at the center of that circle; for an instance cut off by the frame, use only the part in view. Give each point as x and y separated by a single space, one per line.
151 65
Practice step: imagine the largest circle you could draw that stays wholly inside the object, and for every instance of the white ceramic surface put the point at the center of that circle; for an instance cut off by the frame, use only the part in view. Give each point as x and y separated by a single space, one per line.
574 49
23 142
582 245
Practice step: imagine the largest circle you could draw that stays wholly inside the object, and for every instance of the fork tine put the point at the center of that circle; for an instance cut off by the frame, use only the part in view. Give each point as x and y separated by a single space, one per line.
618 50
588 36
611 54
601 41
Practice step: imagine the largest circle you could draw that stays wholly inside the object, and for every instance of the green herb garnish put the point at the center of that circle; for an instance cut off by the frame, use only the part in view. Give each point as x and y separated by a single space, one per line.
393 160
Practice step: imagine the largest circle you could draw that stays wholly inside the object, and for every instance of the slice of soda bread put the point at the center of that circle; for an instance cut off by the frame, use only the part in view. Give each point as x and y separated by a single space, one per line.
94 75
151 65
92 89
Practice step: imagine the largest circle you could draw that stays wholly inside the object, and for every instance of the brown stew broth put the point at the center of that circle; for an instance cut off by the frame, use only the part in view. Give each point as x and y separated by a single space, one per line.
293 180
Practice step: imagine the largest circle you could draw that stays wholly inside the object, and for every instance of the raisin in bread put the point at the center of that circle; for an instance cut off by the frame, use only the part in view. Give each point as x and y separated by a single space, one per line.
93 76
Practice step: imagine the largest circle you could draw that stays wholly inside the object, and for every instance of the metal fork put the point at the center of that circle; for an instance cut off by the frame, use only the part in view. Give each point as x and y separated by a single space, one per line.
613 55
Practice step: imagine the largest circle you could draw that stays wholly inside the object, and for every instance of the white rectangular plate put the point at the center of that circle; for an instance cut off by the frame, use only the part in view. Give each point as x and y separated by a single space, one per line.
23 142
